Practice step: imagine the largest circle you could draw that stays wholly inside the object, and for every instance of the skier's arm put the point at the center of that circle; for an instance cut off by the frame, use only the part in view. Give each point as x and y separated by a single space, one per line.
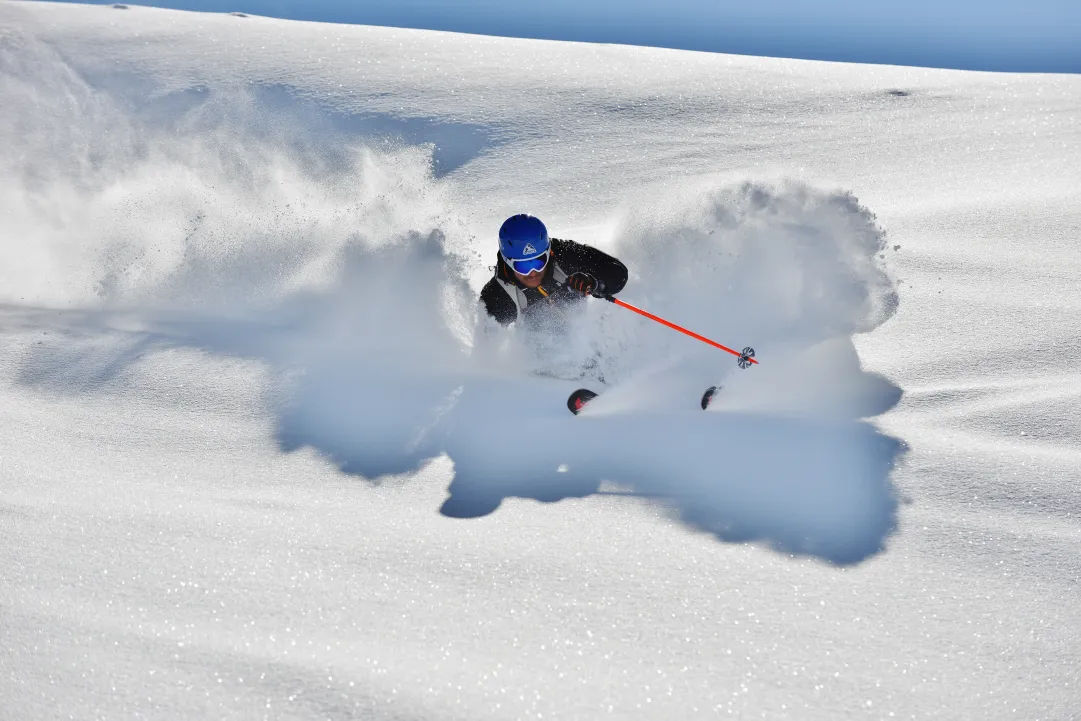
578 258
498 304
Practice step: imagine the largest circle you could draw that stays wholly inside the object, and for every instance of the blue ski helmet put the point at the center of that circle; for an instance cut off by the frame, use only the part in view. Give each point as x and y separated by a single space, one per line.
522 237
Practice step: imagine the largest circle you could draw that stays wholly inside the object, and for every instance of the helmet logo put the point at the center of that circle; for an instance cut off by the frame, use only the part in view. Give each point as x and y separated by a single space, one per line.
529 249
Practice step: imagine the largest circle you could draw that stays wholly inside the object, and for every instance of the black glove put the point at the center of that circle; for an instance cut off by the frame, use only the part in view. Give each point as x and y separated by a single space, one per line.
583 283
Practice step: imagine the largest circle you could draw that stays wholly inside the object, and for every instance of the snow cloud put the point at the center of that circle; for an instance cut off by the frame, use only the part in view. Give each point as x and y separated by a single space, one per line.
239 223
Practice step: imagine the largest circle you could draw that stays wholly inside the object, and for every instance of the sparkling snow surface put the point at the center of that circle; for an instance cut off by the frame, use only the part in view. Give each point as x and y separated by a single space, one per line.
262 460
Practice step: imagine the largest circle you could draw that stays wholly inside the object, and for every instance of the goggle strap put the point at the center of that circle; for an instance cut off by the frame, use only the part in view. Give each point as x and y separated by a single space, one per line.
510 262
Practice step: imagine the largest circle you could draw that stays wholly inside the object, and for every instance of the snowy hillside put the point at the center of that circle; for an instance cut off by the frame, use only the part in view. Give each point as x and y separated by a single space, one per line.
264 460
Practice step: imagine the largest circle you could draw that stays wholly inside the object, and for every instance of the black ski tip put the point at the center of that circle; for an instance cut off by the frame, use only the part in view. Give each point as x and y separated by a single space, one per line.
577 400
707 397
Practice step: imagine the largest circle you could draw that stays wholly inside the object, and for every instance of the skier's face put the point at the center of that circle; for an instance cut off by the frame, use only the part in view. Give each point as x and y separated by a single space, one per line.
533 279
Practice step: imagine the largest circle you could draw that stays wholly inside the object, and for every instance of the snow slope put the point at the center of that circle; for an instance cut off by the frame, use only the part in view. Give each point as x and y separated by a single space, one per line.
264 460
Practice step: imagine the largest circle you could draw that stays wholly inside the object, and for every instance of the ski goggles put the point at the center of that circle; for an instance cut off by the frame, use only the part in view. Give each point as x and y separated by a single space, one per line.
531 265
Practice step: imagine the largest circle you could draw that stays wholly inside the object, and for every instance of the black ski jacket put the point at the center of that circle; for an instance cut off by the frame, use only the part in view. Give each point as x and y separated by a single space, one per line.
505 298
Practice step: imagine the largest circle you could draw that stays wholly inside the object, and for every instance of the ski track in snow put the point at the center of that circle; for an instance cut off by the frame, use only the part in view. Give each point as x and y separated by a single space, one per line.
244 370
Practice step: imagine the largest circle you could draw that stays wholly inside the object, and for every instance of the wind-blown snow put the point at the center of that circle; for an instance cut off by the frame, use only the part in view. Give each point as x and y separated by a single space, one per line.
262 443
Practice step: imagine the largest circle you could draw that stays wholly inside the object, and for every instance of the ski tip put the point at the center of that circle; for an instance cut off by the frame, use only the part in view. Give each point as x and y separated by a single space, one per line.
578 400
707 397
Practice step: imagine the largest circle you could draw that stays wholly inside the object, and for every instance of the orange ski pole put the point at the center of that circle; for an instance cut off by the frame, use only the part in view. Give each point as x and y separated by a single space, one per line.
746 357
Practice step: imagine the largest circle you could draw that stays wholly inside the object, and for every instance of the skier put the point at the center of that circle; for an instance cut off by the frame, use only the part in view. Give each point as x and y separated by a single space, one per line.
534 271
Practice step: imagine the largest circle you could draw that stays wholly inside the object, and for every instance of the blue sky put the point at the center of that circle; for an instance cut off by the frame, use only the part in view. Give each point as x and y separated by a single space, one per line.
1012 35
